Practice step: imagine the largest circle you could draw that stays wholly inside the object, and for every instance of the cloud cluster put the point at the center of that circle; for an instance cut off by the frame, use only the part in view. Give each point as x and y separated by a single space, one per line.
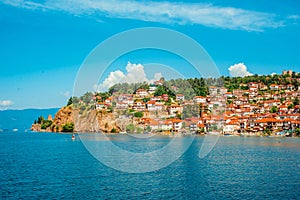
163 12
239 70
135 74
6 103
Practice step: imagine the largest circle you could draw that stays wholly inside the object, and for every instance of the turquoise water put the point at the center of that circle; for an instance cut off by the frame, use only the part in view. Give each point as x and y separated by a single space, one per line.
51 166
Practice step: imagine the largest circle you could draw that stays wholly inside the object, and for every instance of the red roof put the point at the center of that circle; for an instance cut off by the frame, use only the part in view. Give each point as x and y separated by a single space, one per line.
176 120
201 125
266 120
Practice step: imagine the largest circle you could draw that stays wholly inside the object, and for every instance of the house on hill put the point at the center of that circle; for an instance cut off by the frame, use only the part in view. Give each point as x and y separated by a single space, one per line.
139 105
141 93
199 99
179 97
177 125
174 109
154 105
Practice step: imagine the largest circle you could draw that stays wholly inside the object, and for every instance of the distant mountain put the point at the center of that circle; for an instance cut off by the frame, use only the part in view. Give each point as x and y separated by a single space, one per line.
22 119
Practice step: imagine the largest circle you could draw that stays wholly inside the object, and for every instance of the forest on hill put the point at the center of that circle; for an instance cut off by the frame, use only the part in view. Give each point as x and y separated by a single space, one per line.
192 86
199 86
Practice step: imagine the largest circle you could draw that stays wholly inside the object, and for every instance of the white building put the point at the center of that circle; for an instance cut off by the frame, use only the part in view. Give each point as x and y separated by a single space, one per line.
141 93
100 106
175 109
199 99
166 125
179 97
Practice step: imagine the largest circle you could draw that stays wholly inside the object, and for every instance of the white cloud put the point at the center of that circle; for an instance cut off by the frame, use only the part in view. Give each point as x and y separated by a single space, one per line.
295 17
5 103
113 78
135 74
239 70
163 12
66 94
157 76
26 4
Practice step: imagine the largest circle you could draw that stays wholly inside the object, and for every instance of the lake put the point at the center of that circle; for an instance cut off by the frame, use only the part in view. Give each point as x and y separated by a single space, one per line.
51 166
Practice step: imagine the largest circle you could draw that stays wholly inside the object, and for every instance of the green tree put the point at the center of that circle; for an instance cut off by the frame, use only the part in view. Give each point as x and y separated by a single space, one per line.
178 115
130 128
139 130
148 129
75 100
296 101
110 109
267 131
160 90
297 131
291 106
138 114
40 119
229 101
103 95
274 109
113 130
87 97
82 108
46 124
245 88
146 99
70 101
68 127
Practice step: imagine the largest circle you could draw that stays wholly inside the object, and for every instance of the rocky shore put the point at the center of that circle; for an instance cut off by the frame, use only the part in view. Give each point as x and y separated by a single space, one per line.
87 121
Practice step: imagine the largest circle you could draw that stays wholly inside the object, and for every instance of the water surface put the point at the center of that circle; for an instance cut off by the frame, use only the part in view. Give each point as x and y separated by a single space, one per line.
48 165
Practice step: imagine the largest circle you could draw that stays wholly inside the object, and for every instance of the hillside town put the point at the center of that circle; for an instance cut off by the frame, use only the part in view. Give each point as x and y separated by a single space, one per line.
253 109
235 106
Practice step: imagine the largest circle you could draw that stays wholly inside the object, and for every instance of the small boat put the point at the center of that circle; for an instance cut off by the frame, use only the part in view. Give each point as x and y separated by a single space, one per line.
15 130
73 137
123 132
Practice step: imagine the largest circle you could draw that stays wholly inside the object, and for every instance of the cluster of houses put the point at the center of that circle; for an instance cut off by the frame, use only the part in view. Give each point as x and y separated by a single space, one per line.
273 108
259 108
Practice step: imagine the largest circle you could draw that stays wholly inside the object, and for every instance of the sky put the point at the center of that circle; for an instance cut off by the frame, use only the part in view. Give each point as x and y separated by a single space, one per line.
43 44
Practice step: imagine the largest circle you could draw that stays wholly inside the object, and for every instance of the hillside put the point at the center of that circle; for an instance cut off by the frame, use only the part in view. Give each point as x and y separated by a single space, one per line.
254 104
68 119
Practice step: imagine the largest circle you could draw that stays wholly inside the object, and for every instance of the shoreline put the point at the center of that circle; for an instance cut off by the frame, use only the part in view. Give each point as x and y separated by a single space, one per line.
167 135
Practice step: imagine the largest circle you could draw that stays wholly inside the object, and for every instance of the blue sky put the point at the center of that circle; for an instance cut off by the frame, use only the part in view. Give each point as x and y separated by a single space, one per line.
43 43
